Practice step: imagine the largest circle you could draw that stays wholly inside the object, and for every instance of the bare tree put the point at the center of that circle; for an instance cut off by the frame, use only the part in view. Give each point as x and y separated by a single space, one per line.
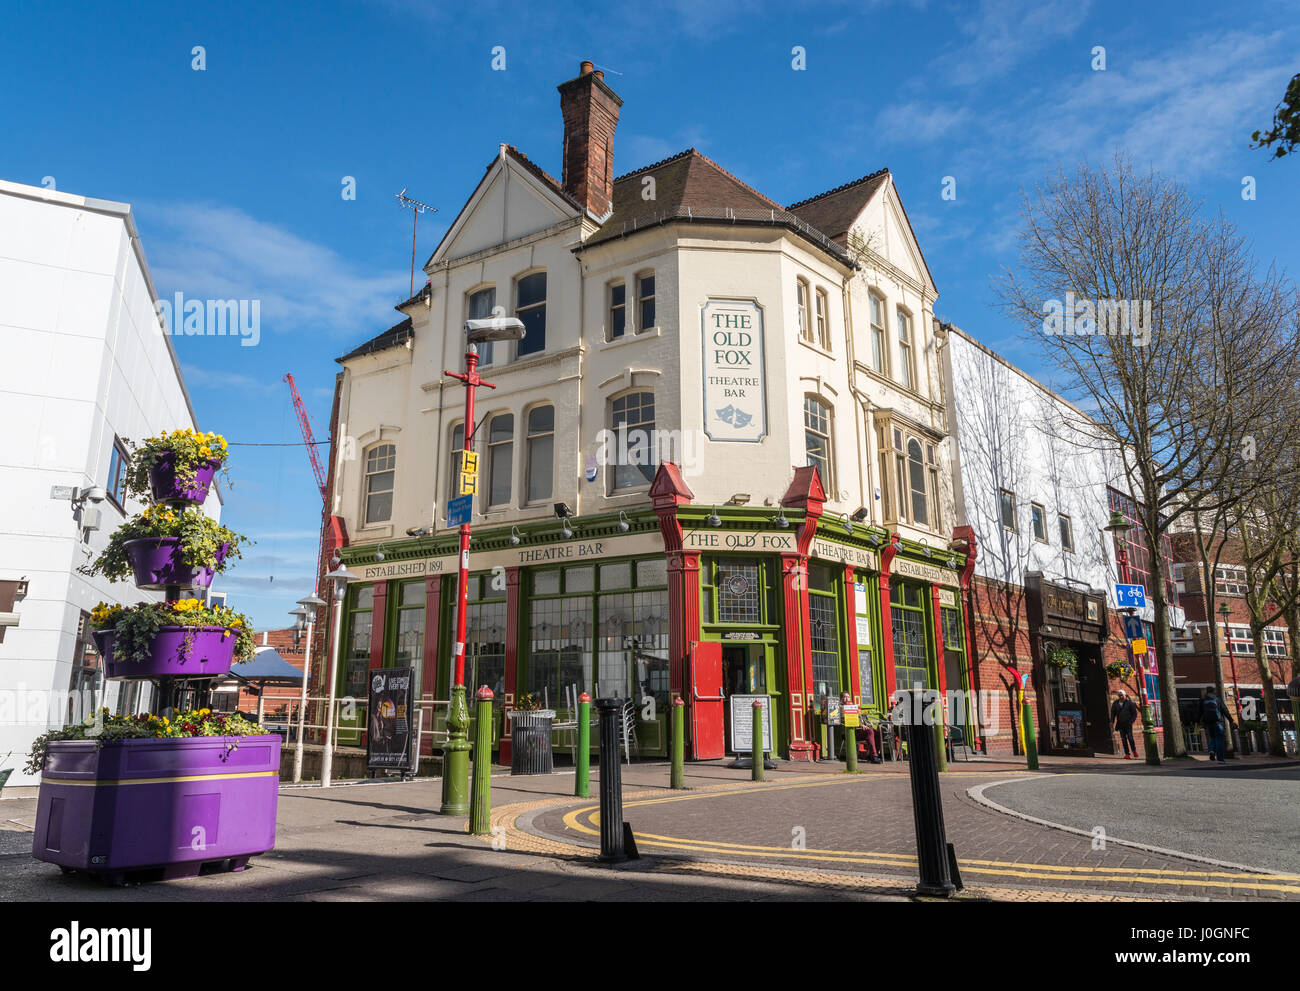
1131 293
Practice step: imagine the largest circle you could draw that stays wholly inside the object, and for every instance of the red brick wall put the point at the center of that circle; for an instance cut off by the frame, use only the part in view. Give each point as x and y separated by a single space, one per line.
278 695
999 628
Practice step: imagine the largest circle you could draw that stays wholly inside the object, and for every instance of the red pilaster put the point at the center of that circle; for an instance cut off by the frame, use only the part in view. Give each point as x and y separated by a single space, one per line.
886 615
805 493
512 656
668 491
377 615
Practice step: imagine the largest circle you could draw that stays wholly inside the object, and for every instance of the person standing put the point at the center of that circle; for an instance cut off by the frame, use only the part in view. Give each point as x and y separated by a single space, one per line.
1212 720
1123 713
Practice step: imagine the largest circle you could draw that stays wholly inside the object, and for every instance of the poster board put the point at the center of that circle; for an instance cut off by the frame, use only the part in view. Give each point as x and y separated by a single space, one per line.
742 723
388 740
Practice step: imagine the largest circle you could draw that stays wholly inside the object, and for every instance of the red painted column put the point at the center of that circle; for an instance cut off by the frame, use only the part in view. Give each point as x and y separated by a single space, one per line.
513 626
379 611
851 636
429 662
797 633
684 614
886 617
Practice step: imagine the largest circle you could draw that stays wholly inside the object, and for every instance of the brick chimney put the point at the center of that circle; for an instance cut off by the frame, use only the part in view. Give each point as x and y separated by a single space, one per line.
590 111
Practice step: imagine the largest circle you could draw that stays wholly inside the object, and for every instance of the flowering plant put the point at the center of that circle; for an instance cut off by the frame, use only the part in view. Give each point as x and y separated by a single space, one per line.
1119 669
190 451
201 540
137 626
103 726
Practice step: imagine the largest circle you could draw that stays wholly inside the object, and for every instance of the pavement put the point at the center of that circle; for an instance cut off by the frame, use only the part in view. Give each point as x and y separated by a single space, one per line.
810 832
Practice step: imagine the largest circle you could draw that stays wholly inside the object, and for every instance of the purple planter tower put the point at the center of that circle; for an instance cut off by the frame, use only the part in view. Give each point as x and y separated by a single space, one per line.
169 807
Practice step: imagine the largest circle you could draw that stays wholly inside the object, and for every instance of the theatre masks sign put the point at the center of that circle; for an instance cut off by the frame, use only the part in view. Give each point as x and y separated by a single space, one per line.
734 399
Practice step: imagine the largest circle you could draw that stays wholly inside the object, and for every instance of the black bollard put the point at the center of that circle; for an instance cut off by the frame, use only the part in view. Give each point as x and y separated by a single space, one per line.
927 805
611 781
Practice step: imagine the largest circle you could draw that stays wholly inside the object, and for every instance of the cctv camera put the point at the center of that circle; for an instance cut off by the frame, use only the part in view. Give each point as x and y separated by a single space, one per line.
95 494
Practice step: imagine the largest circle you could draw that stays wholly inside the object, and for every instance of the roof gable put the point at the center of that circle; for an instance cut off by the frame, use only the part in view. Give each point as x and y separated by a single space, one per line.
835 211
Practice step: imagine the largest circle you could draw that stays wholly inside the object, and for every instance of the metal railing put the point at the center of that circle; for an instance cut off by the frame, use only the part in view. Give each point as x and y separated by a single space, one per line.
351 721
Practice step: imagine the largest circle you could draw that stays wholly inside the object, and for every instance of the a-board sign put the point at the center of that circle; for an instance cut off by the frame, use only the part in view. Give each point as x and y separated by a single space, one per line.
388 740
742 723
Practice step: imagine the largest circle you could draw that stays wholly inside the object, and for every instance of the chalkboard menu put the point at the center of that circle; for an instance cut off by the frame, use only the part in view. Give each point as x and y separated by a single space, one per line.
388 742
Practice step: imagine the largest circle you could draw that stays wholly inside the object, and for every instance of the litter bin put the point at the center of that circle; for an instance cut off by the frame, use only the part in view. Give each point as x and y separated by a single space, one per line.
530 734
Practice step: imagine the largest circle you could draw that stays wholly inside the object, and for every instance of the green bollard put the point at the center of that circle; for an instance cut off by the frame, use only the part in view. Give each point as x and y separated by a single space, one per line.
677 779
480 815
1149 736
582 759
756 774
455 756
1031 742
941 745
820 716
851 749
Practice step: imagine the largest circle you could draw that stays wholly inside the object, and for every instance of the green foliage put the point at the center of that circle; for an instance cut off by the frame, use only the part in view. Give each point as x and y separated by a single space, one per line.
190 451
1285 132
528 702
104 727
1062 657
201 537
136 627
1119 669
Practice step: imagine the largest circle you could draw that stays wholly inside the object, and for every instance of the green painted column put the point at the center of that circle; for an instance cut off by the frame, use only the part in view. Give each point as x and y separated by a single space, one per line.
481 808
1031 737
756 773
582 759
677 778
851 749
940 742
455 757
1149 735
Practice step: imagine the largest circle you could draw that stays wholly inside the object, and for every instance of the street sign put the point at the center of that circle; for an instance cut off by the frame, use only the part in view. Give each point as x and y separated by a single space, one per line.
852 714
459 511
1133 628
468 473
1140 647
1130 596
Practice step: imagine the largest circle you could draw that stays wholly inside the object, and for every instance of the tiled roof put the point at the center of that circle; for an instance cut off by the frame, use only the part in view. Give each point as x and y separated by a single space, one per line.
391 338
834 211
540 173
691 187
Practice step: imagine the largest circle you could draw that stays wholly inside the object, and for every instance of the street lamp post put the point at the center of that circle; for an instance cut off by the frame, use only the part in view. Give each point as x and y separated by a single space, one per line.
340 577
1120 527
455 755
310 605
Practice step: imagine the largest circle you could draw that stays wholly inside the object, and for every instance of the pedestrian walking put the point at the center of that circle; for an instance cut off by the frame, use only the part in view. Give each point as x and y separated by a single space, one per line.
1123 713
1212 719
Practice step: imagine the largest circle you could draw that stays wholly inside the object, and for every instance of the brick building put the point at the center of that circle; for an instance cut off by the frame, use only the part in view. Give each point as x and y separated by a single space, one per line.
290 645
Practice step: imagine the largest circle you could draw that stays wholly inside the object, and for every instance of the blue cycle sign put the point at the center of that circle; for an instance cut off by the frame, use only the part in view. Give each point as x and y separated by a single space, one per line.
460 510
734 397
1130 596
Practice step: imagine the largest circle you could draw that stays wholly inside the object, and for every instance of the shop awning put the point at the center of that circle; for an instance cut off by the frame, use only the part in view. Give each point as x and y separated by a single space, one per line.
267 668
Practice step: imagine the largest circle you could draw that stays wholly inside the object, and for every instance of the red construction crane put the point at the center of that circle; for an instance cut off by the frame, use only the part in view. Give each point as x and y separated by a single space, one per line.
307 437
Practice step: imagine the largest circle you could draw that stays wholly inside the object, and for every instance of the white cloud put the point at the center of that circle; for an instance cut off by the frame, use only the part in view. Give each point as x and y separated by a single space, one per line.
211 251
1003 32
905 123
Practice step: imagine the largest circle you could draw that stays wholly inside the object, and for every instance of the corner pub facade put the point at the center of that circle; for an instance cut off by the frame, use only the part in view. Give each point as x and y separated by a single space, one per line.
739 404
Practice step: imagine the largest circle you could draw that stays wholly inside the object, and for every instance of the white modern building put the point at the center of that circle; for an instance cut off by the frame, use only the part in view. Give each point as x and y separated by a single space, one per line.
84 365
1036 485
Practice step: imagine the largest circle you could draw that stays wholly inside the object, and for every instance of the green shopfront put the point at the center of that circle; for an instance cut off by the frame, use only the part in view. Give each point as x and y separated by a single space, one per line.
674 599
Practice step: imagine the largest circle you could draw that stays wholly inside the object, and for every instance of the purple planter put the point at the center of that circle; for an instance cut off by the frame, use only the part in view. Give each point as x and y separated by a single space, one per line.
163 484
209 651
104 642
168 805
158 563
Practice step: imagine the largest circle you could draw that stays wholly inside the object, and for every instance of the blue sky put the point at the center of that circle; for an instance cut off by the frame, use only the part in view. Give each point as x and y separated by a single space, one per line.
235 172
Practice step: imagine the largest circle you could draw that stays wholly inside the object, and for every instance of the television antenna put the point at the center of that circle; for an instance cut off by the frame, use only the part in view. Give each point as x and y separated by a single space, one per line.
417 208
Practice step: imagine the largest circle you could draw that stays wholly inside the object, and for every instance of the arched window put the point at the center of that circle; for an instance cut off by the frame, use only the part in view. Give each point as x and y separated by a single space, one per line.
381 466
817 439
501 448
916 482
633 459
530 307
541 452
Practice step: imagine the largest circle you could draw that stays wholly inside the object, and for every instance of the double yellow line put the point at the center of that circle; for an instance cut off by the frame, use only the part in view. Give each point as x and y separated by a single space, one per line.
994 868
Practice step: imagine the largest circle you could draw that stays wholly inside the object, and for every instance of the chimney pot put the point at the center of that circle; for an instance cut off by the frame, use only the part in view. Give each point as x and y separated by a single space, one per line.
585 67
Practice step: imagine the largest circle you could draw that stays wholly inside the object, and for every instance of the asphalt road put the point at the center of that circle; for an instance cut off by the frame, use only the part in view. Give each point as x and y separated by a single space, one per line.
1248 816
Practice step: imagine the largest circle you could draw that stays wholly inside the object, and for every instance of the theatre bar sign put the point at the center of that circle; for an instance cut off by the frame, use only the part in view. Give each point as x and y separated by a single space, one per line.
734 394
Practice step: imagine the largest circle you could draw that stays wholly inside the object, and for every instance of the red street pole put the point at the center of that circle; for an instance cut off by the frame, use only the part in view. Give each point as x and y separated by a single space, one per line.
1142 670
455 773
472 381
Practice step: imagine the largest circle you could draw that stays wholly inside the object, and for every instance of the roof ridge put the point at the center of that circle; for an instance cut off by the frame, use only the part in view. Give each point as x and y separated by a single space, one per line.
841 188
655 165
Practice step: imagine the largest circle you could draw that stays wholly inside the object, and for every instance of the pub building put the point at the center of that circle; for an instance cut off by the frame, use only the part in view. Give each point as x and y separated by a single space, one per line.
717 464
